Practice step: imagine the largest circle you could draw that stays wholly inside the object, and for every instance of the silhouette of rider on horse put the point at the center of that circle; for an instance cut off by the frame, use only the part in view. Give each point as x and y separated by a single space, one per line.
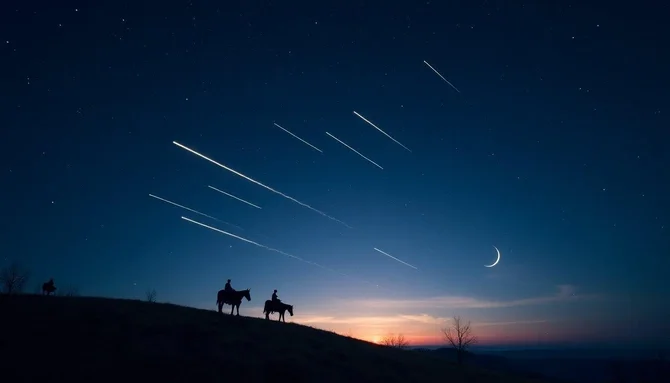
228 288
232 297
274 298
275 305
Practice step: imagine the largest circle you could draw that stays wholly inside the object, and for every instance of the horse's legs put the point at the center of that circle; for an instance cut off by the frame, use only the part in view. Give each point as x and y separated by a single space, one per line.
238 310
267 315
220 307
232 308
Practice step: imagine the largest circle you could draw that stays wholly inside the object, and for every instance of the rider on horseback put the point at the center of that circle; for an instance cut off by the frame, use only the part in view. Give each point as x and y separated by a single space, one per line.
276 306
228 288
274 297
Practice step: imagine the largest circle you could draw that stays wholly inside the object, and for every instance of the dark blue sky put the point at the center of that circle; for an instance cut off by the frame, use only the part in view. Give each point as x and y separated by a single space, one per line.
555 151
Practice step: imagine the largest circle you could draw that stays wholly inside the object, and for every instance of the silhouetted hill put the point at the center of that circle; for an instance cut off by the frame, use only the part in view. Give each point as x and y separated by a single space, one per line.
67 339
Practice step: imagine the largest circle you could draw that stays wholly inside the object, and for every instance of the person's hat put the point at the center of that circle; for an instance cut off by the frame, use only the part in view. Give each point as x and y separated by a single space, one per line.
275 291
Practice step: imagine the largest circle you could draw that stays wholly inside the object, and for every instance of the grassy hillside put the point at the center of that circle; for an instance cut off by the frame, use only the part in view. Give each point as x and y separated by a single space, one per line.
72 339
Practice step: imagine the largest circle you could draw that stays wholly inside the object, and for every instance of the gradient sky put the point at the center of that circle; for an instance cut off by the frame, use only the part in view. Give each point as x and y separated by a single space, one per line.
555 151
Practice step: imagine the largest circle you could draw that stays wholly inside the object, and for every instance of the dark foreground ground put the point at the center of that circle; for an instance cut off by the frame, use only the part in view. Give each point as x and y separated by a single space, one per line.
570 365
66 339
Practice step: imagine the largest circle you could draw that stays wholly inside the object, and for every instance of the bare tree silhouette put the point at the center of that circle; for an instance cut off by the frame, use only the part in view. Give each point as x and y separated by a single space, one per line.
460 336
151 295
398 341
13 278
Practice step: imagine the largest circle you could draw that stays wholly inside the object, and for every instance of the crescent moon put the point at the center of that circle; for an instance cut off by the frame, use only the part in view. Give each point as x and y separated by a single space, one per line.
497 259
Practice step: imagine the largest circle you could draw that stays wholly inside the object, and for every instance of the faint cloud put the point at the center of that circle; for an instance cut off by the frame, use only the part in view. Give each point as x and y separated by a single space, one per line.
323 320
376 321
565 293
424 318
373 321
512 323
566 290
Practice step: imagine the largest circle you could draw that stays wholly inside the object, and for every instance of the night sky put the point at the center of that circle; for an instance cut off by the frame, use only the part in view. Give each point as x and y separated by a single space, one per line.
552 145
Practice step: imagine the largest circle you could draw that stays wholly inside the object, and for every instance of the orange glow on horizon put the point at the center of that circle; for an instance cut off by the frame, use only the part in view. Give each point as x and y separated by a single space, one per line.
421 331
421 322
423 334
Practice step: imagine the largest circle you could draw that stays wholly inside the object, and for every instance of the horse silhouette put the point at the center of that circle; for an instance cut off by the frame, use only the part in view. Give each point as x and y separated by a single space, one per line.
233 298
277 307
48 287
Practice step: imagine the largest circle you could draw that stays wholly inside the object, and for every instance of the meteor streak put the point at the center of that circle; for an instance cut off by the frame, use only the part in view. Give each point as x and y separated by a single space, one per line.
438 73
266 247
354 150
386 134
392 257
232 196
194 211
260 184
286 130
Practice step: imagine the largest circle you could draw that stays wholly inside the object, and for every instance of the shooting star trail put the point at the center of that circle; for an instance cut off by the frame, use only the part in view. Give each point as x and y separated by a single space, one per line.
354 150
286 130
232 196
261 184
386 134
194 211
392 257
438 73
271 249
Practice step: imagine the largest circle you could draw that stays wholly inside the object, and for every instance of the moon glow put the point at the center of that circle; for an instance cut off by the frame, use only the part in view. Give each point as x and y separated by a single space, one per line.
497 259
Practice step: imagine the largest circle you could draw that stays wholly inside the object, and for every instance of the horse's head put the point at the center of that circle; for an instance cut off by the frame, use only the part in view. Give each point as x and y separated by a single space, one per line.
290 309
247 294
